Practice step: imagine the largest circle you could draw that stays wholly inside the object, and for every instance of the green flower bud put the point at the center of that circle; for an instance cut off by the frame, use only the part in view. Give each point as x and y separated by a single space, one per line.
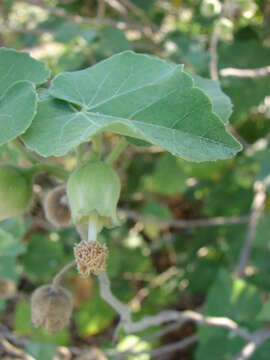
93 192
15 191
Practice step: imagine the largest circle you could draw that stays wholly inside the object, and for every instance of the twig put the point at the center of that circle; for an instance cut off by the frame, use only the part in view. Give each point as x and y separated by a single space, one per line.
164 316
166 349
57 11
246 73
117 151
213 65
187 224
101 10
179 345
139 13
213 68
59 276
256 212
258 338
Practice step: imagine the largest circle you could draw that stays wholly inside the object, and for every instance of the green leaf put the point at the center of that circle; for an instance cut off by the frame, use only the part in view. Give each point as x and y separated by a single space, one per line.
93 317
22 325
159 181
135 95
42 257
17 110
234 298
41 351
16 66
222 105
9 246
264 314
18 74
111 41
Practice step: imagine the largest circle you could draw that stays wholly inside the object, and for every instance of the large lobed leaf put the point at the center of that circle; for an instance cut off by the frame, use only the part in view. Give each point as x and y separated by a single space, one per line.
18 74
138 96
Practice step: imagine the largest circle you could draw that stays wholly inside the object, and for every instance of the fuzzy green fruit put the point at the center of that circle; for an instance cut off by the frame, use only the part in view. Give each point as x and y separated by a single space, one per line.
15 191
93 192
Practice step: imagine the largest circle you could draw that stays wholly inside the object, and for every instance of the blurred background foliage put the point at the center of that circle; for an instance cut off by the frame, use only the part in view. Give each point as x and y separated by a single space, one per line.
152 265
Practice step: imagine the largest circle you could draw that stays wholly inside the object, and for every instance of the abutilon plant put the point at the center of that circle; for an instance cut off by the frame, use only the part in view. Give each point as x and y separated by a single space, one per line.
133 95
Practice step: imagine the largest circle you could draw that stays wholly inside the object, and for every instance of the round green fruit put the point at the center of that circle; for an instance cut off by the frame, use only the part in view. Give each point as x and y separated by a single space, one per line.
15 191
93 192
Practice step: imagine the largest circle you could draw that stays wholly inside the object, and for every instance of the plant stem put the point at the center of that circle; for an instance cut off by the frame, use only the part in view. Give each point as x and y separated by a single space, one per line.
22 150
97 145
79 153
117 151
47 168
59 276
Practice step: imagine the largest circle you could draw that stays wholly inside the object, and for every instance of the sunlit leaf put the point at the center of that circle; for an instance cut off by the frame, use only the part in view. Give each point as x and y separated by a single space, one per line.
134 95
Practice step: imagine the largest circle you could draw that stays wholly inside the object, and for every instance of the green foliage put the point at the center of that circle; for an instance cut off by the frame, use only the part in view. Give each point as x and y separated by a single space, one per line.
233 298
93 317
42 268
19 73
165 99
138 70
22 326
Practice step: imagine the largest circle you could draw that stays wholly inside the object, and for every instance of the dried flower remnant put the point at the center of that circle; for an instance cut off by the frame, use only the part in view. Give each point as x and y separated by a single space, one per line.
51 308
90 257
56 207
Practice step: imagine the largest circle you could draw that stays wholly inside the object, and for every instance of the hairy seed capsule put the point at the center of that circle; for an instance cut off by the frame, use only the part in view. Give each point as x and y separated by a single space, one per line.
90 257
56 207
51 308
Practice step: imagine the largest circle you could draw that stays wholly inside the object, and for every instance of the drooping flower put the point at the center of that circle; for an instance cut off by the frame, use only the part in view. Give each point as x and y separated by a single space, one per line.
93 191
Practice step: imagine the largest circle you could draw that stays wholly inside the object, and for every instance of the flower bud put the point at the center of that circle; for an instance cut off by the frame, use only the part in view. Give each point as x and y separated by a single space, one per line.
15 191
56 207
90 257
51 308
93 192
